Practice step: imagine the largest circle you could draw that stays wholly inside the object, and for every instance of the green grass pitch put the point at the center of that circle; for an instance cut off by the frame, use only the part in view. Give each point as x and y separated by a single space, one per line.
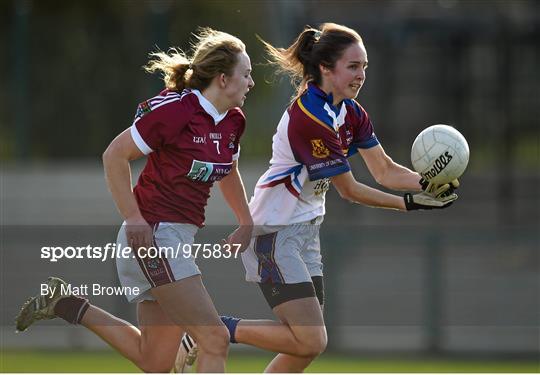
109 361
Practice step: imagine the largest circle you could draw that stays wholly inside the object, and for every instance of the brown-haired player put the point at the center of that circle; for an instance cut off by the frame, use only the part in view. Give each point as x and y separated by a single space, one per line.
318 132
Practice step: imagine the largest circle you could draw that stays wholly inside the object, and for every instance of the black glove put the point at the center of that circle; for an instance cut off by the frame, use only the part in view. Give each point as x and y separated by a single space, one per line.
425 201
439 191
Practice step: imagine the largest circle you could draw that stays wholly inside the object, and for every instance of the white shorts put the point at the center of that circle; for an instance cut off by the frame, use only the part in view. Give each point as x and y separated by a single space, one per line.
289 256
171 265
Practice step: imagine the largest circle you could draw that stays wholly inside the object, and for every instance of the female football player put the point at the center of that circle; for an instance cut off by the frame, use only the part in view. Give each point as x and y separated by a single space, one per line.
318 132
191 133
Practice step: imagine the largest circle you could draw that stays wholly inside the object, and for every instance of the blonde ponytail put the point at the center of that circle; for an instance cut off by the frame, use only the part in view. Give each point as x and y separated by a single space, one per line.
173 65
214 52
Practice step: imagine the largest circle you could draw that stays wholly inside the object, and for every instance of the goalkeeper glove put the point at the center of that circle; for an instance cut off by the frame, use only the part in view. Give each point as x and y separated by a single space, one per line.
439 191
425 201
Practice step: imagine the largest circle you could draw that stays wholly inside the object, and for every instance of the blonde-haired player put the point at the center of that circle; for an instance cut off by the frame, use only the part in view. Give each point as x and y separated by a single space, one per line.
201 102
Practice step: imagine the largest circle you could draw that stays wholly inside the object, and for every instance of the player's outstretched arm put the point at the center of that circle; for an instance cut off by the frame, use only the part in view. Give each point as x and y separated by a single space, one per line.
397 177
387 172
356 192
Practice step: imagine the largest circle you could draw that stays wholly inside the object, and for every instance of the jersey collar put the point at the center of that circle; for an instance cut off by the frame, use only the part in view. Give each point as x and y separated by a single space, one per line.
328 98
209 107
336 114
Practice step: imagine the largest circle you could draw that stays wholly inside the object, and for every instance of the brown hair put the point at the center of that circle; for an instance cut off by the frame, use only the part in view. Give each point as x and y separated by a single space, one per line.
213 53
313 47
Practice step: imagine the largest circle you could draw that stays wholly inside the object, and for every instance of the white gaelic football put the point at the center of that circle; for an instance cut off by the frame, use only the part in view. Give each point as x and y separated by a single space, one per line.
440 154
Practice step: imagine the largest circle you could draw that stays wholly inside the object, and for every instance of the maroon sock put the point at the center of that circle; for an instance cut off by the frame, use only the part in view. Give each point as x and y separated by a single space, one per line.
71 309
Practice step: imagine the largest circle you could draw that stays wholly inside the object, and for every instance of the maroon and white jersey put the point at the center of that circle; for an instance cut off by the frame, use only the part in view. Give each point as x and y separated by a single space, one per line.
190 145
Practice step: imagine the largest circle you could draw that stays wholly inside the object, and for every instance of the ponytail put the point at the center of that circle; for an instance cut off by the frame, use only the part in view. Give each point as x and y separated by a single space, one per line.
312 48
173 66
214 52
295 61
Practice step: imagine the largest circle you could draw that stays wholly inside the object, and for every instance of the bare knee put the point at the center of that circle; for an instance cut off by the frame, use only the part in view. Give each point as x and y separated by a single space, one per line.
314 344
153 364
152 358
214 341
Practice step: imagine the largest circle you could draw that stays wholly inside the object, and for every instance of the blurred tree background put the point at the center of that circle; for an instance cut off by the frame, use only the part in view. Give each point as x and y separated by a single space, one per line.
71 76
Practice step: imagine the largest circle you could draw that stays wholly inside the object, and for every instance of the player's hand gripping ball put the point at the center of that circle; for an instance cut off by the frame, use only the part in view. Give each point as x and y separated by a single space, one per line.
439 191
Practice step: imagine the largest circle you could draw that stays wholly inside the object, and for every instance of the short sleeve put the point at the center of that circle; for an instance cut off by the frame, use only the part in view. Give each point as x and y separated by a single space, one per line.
157 124
316 145
363 132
